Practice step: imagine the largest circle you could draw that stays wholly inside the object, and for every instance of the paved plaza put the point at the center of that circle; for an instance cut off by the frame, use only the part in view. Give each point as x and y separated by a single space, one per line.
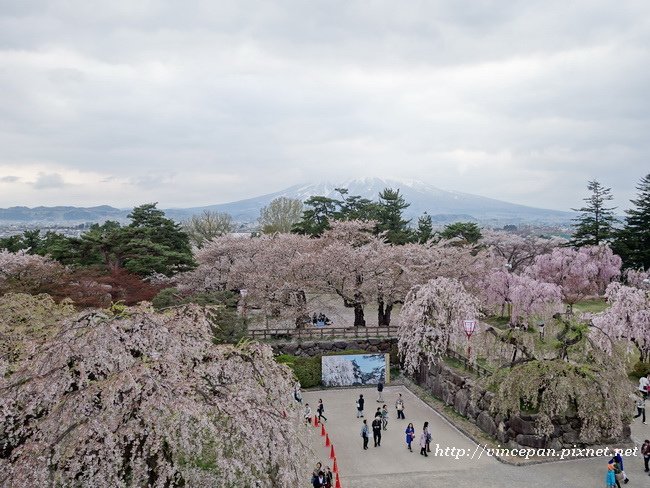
393 466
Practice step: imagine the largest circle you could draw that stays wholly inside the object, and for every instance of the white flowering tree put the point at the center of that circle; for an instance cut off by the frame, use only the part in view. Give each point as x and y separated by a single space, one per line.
338 371
147 399
627 318
431 320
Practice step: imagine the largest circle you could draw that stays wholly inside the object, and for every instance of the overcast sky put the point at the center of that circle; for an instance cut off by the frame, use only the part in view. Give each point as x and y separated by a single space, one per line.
201 102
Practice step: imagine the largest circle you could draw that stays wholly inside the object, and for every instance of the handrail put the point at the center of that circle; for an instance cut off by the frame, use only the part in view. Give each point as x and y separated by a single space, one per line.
477 368
311 333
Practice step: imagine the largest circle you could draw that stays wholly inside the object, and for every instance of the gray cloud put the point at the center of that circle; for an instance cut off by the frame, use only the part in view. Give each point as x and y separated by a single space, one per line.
137 101
48 180
9 179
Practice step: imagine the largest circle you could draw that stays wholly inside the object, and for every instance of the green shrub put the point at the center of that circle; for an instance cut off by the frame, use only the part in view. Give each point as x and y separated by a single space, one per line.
640 369
307 370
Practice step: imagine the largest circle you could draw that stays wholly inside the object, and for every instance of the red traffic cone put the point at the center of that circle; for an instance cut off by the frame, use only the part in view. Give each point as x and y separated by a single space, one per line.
315 421
332 453
322 429
338 482
327 440
335 468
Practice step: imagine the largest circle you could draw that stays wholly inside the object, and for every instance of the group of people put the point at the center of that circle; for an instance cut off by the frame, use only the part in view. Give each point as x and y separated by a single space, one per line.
380 423
322 478
320 320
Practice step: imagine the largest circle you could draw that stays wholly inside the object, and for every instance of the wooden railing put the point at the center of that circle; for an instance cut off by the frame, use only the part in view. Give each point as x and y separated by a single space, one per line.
477 368
319 333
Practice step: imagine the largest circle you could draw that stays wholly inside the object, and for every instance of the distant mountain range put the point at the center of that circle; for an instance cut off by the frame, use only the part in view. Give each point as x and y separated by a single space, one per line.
443 206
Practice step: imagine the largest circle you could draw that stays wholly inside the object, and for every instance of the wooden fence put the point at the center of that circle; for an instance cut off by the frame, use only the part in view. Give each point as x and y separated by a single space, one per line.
317 333
477 368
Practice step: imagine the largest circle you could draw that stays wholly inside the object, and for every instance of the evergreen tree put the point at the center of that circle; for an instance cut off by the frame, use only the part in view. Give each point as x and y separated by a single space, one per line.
632 242
468 232
390 219
595 224
315 219
425 228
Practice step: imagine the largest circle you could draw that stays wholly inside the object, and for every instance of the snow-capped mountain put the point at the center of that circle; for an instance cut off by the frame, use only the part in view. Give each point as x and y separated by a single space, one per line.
442 205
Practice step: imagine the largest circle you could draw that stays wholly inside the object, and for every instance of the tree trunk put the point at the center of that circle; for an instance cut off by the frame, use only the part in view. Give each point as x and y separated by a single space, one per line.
359 319
383 313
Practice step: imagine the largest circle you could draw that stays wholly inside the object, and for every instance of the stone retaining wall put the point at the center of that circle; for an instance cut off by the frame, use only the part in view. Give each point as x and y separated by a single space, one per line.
475 403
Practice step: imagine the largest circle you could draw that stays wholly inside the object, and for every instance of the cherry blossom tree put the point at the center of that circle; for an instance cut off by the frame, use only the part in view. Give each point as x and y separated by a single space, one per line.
627 318
639 278
26 273
146 399
518 251
431 320
578 272
523 297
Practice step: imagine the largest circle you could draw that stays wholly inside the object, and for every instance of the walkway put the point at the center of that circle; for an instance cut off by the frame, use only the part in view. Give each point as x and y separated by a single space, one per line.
393 466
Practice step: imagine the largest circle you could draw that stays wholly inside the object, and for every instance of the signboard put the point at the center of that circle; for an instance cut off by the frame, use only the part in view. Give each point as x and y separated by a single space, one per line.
355 369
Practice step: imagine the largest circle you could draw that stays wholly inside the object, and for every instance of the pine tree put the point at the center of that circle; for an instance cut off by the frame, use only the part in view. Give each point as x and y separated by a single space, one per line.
425 228
632 242
595 224
390 219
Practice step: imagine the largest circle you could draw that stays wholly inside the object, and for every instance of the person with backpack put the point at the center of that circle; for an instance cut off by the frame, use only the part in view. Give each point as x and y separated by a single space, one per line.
380 391
365 433
399 405
410 435
321 410
376 431
360 403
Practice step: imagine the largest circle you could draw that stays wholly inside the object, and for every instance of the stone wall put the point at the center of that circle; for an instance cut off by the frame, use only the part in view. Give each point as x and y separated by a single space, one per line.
475 403
320 348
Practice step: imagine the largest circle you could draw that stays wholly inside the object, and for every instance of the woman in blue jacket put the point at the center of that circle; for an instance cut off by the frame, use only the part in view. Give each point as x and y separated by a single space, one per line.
410 435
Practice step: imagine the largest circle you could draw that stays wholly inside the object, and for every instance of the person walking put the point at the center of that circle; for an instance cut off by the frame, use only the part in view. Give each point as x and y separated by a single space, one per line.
423 444
365 433
321 410
640 409
645 452
384 417
618 462
399 405
427 436
297 394
378 412
307 414
360 403
644 385
380 391
410 435
376 431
